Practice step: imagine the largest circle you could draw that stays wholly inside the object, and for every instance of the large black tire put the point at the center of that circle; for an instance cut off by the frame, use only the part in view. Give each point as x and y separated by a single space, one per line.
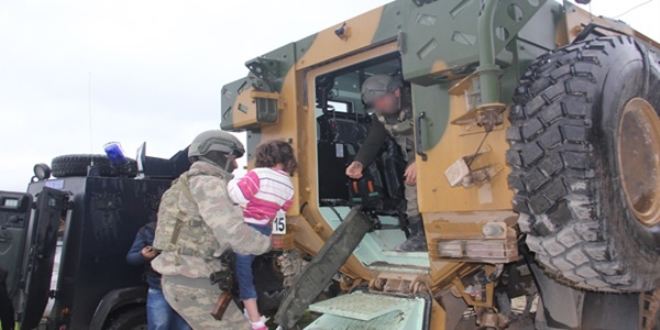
565 171
76 165
134 318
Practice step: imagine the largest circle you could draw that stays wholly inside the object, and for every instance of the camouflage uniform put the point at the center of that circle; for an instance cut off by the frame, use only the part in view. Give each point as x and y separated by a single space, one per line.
208 225
195 304
400 128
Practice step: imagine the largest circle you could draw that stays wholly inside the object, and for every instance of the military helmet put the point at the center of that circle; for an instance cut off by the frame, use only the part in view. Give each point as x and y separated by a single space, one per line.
377 86
216 140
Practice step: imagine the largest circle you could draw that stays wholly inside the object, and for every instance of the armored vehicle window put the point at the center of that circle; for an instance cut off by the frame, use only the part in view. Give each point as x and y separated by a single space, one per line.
343 123
339 106
344 86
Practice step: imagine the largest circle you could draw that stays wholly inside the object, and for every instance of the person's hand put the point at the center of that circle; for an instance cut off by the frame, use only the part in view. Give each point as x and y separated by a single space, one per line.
354 171
411 174
148 252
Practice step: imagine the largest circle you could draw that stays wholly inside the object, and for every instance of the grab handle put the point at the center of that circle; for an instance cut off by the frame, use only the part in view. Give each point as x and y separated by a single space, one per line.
418 135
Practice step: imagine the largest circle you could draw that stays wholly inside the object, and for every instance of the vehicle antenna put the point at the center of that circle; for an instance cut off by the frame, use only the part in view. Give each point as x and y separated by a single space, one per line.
89 110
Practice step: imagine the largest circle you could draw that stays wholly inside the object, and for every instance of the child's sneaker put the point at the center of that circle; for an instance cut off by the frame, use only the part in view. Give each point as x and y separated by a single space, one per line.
259 326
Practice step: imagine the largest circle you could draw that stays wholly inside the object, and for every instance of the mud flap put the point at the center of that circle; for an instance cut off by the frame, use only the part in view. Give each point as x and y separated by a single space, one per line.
318 274
361 310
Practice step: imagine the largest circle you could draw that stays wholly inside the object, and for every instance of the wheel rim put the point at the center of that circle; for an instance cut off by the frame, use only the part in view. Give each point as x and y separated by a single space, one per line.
639 159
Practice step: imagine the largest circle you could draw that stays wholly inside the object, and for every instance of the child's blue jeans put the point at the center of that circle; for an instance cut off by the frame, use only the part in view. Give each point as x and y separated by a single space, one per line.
244 268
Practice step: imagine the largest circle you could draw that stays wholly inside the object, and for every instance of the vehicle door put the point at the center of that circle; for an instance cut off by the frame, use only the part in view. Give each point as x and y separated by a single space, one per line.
15 211
50 209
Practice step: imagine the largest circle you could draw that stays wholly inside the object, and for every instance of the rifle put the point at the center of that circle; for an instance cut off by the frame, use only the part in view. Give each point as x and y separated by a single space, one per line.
221 305
224 280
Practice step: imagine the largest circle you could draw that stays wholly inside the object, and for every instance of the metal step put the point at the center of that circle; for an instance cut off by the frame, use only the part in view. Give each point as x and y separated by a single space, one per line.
318 274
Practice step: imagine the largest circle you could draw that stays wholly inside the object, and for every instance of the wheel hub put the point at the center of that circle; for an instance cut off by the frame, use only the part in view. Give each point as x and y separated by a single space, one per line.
639 159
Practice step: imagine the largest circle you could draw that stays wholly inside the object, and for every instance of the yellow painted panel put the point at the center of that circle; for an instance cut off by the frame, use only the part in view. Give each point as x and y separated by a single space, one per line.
285 129
327 45
438 316
434 191
244 110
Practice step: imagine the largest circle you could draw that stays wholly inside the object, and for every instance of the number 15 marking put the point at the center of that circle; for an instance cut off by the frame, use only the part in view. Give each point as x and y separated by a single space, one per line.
279 224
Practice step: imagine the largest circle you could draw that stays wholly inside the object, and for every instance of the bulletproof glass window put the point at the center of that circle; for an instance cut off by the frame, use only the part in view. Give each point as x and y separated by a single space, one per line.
340 91
339 106
343 123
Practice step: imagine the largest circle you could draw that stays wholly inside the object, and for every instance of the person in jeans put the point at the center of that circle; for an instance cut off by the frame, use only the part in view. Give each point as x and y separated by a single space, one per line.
262 192
160 316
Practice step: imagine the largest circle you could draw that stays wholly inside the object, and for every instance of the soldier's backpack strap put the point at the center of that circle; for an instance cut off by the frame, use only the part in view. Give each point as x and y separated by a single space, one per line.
184 186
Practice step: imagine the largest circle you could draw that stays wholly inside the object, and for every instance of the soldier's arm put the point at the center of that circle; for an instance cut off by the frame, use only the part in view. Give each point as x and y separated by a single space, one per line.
226 221
373 143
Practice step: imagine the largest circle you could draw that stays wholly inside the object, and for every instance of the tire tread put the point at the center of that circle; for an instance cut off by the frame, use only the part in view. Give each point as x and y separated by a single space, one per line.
553 168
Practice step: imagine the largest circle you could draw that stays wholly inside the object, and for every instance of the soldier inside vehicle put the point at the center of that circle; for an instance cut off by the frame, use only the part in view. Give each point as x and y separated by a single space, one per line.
344 124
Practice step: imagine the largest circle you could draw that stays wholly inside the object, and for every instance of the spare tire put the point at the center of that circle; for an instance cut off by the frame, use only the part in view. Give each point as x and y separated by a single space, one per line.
76 165
584 152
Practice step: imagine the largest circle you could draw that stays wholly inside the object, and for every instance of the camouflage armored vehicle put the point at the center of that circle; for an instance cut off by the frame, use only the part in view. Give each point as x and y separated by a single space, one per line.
537 138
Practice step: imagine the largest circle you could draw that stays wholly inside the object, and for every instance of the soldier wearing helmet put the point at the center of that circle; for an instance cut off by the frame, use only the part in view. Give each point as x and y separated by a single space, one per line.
196 224
392 117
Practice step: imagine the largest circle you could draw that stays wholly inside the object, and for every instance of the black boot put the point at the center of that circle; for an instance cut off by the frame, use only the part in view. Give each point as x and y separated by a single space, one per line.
417 240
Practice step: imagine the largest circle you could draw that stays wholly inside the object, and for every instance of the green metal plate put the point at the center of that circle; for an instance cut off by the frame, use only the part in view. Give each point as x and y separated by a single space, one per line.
319 272
446 31
376 250
361 310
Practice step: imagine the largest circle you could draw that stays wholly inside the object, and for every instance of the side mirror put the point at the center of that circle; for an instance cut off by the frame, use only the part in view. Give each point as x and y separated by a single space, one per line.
139 158
160 168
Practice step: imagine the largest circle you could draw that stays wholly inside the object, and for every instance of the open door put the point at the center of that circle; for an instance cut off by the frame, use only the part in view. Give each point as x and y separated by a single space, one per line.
15 210
51 208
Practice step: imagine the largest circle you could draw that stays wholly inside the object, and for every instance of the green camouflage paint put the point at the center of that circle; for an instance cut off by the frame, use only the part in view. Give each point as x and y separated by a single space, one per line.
434 102
390 23
444 33
279 62
432 36
253 140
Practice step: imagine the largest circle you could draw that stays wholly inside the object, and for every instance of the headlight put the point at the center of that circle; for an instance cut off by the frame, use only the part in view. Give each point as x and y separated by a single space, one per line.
41 171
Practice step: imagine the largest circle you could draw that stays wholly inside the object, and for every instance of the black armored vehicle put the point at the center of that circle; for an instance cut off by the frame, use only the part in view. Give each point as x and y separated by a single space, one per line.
64 243
87 215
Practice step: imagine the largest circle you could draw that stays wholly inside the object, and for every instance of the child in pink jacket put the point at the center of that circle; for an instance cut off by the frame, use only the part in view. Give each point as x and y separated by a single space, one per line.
262 192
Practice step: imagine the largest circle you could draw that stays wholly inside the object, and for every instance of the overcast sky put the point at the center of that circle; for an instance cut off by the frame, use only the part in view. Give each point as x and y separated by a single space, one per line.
157 68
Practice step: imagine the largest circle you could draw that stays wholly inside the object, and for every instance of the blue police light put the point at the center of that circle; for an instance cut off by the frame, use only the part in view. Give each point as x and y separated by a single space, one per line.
115 153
